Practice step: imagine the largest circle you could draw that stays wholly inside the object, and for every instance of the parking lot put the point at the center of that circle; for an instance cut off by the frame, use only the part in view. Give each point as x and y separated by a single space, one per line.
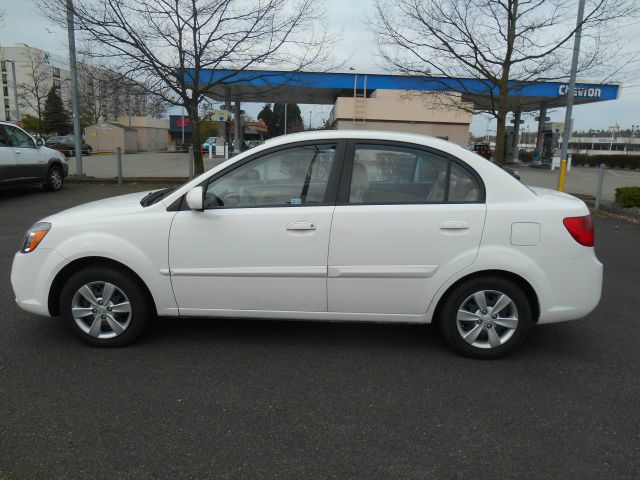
255 399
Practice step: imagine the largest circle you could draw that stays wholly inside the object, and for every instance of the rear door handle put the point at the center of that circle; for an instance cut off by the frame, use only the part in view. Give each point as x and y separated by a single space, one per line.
454 225
301 226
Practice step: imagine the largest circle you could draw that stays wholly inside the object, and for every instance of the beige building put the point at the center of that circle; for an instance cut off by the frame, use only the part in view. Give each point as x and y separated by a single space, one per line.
402 111
105 137
30 63
132 134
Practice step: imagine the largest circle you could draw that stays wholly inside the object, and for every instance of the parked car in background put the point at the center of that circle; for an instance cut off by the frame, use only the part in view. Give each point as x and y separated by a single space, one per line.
66 145
328 225
484 150
209 141
25 160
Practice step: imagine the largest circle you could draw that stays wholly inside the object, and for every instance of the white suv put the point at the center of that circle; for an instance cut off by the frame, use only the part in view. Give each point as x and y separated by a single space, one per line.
25 160
333 225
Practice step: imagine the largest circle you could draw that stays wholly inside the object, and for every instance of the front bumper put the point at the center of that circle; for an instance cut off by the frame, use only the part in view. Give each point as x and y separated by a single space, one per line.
31 277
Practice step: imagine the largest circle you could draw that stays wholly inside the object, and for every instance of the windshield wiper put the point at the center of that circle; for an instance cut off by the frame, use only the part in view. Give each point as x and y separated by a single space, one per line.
154 197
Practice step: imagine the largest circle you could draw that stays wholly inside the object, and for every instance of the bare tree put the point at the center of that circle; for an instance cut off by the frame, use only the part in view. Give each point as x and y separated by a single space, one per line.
166 45
33 91
503 43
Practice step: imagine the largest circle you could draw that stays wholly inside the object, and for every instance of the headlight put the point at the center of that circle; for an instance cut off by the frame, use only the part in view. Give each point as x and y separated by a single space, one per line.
34 236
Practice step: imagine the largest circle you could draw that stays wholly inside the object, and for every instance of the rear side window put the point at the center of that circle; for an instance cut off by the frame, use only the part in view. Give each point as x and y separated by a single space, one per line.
387 174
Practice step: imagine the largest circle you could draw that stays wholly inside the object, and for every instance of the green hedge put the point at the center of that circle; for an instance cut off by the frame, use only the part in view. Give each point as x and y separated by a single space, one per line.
611 161
628 196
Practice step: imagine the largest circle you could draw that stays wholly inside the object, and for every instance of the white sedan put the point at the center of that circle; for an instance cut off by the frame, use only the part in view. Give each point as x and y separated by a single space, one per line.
332 225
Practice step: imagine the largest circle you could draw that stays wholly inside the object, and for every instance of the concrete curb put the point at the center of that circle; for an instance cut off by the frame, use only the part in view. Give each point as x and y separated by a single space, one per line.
129 180
611 209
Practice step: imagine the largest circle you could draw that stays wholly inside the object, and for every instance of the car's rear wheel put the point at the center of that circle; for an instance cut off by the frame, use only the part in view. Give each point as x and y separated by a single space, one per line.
88 151
55 179
486 317
105 307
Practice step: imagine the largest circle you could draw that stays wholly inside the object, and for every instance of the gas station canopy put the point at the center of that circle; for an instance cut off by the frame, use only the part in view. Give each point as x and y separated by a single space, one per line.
324 88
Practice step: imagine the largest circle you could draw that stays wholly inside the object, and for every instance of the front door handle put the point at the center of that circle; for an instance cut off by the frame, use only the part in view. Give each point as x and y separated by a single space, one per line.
301 226
454 225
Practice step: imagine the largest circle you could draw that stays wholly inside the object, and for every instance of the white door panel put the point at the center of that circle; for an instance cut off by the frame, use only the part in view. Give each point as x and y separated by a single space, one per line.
251 258
391 259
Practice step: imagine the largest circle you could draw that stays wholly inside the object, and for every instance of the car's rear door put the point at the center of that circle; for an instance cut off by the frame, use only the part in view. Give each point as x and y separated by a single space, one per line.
407 218
261 243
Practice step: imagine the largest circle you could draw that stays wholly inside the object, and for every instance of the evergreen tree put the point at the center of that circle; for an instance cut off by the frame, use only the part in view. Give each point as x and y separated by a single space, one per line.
56 119
267 116
294 119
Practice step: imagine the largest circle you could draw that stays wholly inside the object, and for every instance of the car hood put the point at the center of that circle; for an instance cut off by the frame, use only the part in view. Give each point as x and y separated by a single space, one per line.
108 207
51 151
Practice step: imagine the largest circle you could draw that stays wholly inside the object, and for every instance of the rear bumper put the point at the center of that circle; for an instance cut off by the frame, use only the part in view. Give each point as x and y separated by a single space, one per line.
573 290
31 277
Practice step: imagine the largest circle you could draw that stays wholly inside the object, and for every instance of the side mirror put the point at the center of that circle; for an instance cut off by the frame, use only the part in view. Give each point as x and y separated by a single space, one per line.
195 199
39 142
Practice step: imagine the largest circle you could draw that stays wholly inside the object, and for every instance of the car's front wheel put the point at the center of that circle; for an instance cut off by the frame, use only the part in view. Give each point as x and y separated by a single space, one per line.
55 179
486 317
105 306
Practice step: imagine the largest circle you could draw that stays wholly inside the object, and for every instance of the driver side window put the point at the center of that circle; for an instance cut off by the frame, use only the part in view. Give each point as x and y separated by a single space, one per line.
291 177
18 138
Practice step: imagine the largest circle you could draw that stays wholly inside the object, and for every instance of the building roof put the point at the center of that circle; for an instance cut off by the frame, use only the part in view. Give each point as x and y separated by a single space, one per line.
123 127
324 88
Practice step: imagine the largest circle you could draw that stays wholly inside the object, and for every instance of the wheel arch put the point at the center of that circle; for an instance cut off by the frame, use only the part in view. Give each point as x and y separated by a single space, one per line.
526 287
63 275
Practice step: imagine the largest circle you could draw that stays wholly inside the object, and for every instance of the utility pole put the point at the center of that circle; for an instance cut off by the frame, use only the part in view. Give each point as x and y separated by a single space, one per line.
15 90
77 134
572 86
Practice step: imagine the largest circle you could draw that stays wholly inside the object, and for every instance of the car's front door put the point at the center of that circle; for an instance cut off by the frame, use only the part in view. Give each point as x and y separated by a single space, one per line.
406 220
7 159
261 243
29 161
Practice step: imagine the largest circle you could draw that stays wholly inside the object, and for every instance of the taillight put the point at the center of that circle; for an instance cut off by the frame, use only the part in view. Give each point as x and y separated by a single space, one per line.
581 229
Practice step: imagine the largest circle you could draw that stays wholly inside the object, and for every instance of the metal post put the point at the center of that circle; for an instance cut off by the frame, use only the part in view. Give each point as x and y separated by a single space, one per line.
211 151
77 134
15 89
599 188
237 144
572 82
119 162
563 172
516 135
285 118
190 161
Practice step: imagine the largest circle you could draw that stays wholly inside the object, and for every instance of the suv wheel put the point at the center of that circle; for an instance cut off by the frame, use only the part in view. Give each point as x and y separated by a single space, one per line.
105 307
55 179
486 317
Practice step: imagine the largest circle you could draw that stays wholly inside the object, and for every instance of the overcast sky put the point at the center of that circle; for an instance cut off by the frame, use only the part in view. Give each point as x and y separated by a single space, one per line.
24 24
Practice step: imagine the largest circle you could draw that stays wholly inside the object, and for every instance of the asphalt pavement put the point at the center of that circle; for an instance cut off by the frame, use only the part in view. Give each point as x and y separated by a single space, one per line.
223 399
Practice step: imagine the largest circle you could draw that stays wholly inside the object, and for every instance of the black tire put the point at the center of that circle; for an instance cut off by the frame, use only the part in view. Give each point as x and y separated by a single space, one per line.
55 178
461 298
126 289
89 152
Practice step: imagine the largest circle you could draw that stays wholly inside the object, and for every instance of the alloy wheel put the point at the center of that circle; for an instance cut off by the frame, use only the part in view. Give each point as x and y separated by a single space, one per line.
101 310
487 319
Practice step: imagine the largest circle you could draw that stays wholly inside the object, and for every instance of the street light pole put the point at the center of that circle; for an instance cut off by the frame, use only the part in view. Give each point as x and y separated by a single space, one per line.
77 134
572 86
15 89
